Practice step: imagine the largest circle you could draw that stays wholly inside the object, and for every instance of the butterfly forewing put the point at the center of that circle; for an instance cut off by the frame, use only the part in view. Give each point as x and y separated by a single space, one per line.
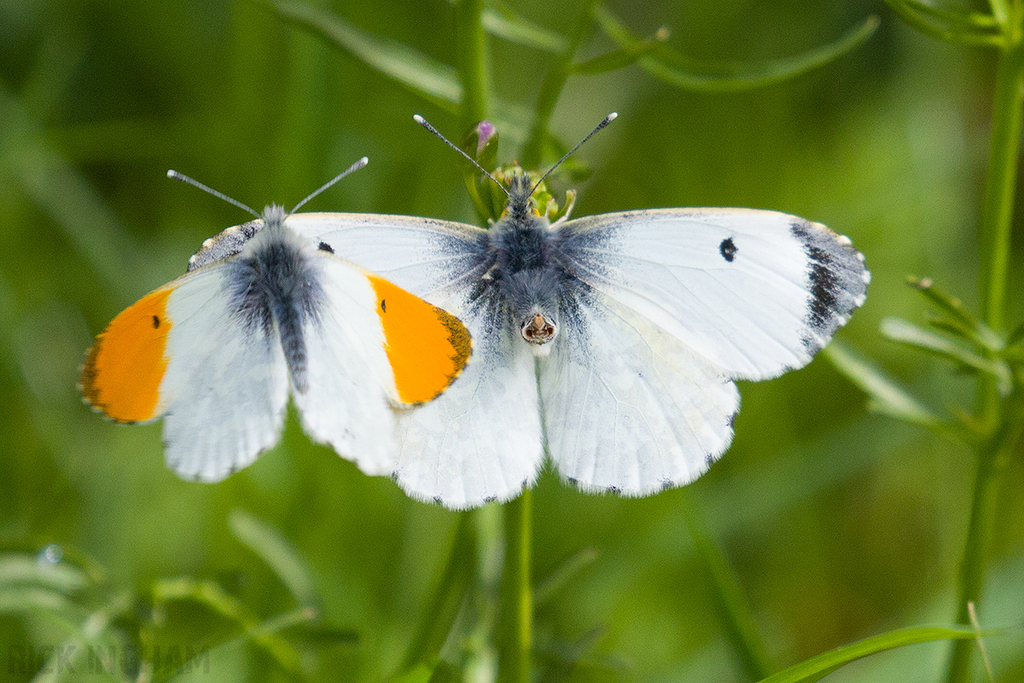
226 385
754 292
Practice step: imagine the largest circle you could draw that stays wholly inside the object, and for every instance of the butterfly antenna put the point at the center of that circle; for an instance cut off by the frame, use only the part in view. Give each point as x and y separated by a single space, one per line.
608 119
354 167
174 175
426 124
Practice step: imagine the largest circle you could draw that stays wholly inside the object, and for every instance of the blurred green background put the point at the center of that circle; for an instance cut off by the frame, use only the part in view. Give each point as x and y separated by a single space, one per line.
838 523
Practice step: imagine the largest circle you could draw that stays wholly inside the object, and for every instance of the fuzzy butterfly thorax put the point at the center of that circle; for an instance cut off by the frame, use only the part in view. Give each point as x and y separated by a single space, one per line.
527 271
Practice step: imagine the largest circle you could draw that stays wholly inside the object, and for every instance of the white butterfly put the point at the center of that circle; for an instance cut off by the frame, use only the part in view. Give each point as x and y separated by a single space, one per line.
611 341
265 312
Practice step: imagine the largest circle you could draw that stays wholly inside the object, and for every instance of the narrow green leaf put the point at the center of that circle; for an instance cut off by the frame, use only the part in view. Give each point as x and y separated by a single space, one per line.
92 632
564 659
420 673
885 395
963 323
737 616
444 605
1016 336
623 57
950 304
999 11
277 552
907 333
28 599
812 669
955 16
18 569
690 74
60 189
502 22
325 635
211 595
936 24
433 80
562 574
303 616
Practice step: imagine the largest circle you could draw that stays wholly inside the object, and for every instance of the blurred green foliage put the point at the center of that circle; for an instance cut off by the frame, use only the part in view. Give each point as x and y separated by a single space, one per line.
837 524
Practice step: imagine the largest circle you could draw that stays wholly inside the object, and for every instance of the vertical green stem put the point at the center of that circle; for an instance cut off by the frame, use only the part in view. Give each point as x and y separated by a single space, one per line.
474 64
480 662
740 626
997 213
444 605
997 216
517 594
551 88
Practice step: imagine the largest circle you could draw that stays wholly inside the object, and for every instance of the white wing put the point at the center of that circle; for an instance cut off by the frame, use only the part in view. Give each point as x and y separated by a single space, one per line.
346 402
224 390
627 408
481 439
755 292
435 260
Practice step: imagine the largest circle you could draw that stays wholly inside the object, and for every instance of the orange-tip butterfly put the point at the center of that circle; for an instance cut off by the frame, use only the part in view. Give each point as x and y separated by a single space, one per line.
612 342
265 311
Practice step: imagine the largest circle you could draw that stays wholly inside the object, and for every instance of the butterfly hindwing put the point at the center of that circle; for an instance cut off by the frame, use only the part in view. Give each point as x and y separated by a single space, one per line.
481 440
628 408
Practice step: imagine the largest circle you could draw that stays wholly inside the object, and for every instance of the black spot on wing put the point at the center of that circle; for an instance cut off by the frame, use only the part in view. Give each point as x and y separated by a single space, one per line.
323 246
156 322
727 249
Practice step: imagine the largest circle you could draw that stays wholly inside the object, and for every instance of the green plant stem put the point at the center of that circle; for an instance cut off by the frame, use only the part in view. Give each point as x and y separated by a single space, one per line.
1000 191
444 605
997 215
517 594
740 626
474 64
551 88
992 461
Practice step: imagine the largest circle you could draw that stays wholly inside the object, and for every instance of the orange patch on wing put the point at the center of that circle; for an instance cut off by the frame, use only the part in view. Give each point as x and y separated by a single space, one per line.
427 347
125 365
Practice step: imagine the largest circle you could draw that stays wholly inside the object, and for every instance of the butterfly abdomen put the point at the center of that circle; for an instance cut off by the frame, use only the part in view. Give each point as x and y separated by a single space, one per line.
275 286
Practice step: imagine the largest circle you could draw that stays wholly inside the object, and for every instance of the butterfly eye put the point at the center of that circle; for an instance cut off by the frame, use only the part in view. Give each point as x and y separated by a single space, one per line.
538 329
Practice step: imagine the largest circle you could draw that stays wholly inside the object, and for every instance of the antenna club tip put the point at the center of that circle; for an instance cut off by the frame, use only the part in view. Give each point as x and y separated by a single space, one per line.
172 174
363 162
418 119
611 117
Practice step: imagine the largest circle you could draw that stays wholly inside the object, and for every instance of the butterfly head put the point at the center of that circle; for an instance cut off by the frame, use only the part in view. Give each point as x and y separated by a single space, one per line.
527 198
534 296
